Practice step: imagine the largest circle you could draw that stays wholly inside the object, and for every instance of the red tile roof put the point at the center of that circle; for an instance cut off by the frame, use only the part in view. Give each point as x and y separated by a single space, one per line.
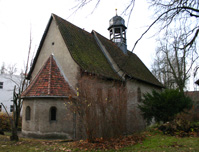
49 82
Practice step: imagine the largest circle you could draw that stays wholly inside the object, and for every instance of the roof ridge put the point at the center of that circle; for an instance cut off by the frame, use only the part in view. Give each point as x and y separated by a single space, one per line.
131 64
50 73
88 55
62 73
113 64
49 82
27 90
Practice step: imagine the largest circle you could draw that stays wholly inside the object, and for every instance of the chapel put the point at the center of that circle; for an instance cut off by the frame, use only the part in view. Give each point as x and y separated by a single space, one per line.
71 61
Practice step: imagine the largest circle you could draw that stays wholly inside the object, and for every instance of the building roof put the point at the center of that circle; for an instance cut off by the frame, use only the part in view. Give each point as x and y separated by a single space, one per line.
86 52
130 63
49 82
84 49
197 82
116 21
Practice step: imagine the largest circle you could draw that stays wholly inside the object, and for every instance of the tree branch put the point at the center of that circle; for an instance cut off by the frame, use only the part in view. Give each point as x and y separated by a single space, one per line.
158 18
193 39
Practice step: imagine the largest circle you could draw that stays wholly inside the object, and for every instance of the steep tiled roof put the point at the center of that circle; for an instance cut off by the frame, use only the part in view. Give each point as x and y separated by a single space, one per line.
84 49
86 52
130 63
49 82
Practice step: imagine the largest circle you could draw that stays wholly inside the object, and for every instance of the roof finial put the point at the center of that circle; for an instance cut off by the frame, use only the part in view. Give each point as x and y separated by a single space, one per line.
116 11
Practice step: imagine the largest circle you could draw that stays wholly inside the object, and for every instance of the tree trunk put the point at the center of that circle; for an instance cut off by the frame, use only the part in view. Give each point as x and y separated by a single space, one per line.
14 136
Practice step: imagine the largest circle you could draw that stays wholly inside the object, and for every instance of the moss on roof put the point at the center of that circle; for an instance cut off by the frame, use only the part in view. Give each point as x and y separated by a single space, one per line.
130 63
84 49
88 55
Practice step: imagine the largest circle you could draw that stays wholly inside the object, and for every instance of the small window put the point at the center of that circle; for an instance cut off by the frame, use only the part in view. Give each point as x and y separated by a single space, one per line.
0 107
139 94
1 85
11 108
53 112
28 110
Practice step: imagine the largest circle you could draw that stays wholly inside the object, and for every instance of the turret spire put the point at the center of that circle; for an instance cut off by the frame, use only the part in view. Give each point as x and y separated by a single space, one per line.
117 31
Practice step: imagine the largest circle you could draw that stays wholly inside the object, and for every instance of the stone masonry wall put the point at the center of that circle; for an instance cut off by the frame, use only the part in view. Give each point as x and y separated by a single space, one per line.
41 126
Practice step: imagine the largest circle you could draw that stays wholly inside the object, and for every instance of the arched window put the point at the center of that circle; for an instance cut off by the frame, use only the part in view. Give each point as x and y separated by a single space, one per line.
28 110
53 113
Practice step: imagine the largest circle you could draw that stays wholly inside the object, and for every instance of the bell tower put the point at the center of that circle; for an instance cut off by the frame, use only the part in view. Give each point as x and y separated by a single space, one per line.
117 31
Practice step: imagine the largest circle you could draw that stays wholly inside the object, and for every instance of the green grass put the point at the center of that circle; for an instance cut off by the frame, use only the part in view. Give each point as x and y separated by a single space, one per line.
163 143
154 142
31 145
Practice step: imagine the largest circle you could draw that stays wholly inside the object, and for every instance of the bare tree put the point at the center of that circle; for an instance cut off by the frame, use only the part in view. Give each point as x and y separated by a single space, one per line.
159 70
181 13
20 85
17 91
167 14
17 100
100 109
175 13
3 68
174 61
127 11
12 69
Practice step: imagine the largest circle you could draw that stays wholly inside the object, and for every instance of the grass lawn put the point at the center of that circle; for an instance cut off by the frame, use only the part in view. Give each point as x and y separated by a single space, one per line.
157 142
153 142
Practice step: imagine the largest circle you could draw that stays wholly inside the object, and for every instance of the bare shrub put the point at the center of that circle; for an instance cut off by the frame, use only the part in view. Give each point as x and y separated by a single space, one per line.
101 107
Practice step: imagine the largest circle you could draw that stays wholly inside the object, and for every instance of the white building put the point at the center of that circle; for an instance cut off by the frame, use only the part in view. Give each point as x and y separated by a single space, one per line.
7 83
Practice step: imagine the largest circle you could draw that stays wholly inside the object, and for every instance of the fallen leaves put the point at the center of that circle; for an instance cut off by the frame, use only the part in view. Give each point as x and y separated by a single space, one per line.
175 144
112 143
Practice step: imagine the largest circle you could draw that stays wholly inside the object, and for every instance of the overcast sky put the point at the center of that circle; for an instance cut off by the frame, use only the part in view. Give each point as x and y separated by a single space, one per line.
19 17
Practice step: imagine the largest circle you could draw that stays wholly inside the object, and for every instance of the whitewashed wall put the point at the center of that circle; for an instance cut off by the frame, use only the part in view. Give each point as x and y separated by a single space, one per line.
6 93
